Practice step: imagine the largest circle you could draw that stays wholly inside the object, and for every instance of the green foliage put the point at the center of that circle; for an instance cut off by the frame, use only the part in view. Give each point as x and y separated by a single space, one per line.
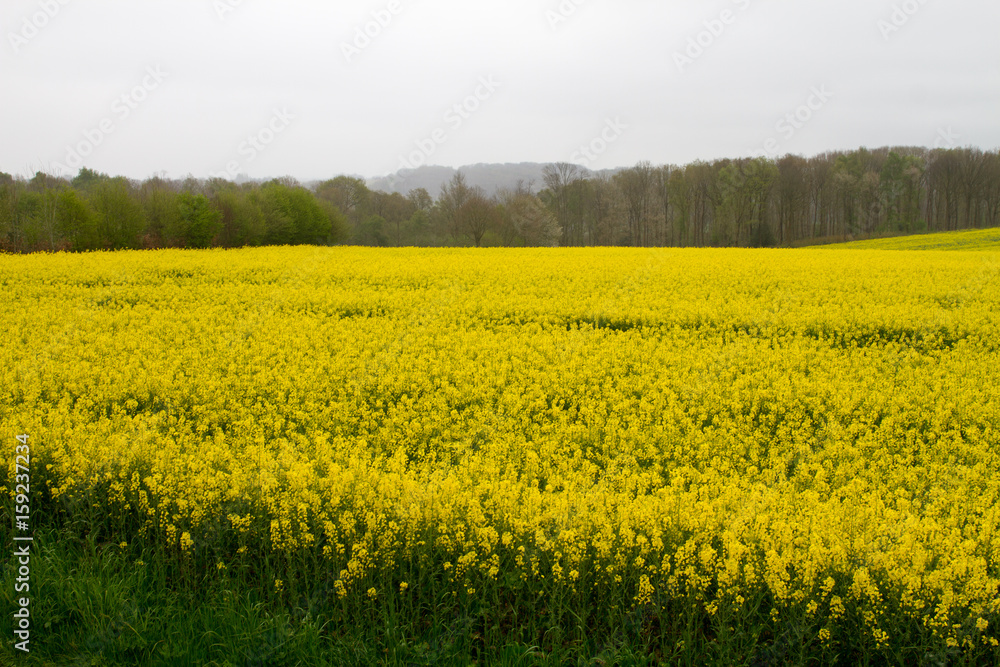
164 224
788 201
201 222
292 215
96 211
241 218
8 212
76 221
27 214
744 191
88 178
900 181
761 236
120 218
419 229
339 225
350 196
277 225
372 232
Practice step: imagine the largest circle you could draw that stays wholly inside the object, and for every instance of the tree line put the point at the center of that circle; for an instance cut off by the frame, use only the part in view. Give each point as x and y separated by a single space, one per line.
754 202
791 200
94 211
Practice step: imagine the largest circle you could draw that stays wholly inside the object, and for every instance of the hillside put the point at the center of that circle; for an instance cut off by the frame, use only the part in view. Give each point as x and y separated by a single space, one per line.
489 177
974 239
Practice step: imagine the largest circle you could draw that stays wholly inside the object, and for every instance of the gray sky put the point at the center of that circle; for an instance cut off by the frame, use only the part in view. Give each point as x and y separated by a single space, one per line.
298 88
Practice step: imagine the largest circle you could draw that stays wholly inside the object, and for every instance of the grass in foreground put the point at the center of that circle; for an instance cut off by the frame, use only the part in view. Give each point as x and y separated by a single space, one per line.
108 604
103 604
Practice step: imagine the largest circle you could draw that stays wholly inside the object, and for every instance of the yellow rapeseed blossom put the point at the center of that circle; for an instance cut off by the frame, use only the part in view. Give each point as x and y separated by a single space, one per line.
818 425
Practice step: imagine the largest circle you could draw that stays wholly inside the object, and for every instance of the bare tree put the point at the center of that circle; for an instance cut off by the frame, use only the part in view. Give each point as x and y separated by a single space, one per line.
663 197
477 215
792 198
454 196
973 171
992 189
559 179
944 174
524 218
636 187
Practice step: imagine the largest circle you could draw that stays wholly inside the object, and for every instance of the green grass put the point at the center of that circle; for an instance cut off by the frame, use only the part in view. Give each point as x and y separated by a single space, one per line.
975 239
97 603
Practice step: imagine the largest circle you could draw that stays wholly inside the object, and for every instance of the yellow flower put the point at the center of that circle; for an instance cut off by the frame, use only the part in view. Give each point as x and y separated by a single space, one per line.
836 606
646 590
726 423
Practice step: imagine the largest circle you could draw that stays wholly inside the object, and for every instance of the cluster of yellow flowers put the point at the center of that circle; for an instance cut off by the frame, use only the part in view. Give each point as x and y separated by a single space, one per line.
822 424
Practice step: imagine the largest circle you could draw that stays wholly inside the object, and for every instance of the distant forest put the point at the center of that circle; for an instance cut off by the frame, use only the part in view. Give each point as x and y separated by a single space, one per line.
755 202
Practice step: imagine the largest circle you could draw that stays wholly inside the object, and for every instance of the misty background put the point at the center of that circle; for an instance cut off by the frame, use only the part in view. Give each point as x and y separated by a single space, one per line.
364 88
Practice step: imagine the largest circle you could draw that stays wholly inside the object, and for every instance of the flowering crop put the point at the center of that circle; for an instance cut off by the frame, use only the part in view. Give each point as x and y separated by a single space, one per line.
818 427
970 239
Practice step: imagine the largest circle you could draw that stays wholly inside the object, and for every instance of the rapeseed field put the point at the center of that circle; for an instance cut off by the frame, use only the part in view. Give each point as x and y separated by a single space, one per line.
970 239
797 448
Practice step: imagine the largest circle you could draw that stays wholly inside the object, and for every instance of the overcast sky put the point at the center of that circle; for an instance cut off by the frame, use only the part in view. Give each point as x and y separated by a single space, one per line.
313 89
